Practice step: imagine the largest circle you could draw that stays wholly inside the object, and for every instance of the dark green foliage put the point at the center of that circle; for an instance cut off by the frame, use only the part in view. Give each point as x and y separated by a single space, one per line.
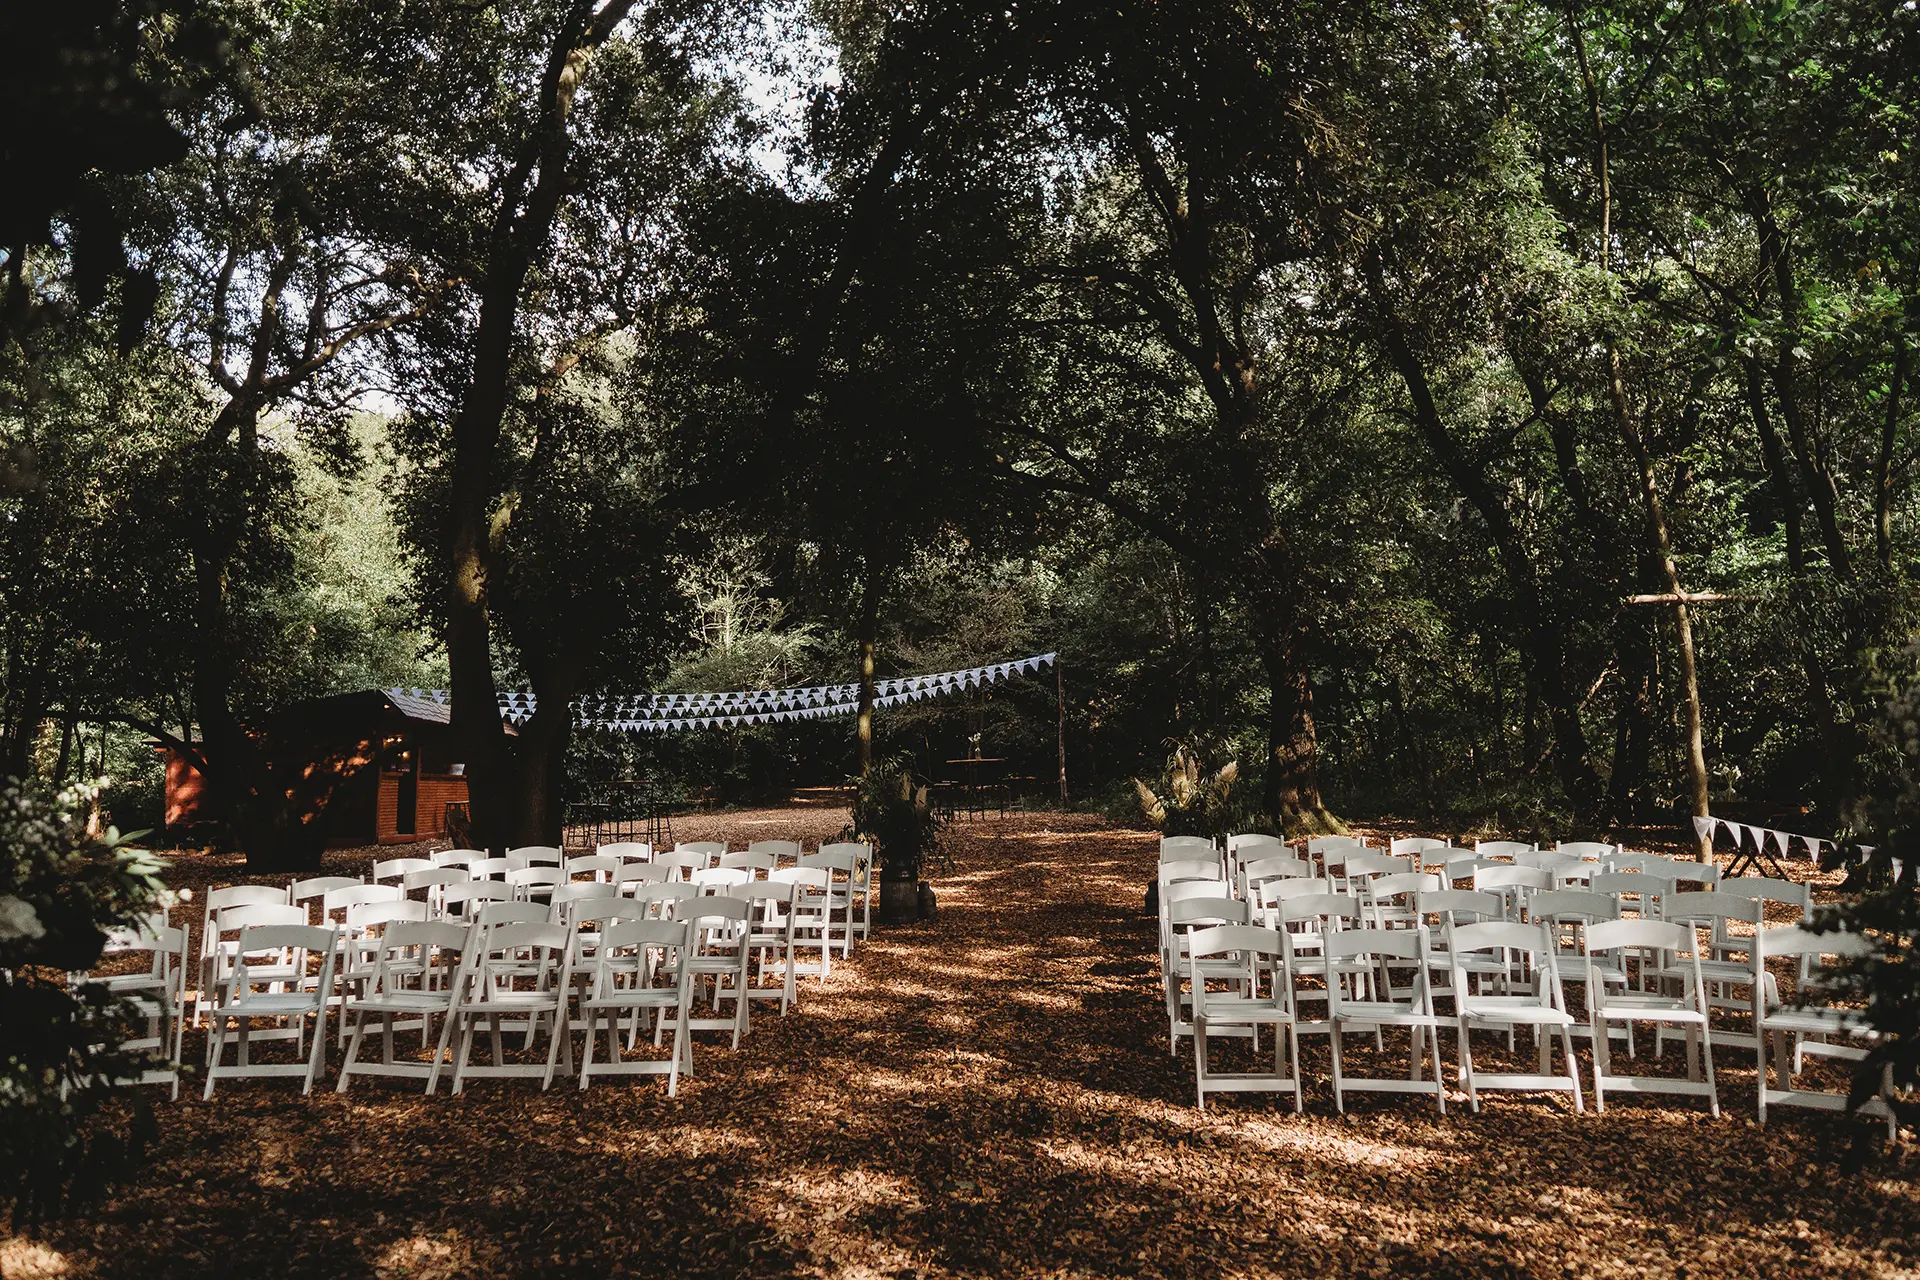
894 813
64 1135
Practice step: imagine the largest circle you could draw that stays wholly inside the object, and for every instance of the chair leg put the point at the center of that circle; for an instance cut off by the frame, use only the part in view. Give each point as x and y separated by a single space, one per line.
1573 1067
1339 1094
352 1054
1602 1063
317 1060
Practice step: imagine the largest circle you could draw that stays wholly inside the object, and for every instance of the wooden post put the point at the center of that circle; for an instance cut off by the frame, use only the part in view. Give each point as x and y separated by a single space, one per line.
1060 697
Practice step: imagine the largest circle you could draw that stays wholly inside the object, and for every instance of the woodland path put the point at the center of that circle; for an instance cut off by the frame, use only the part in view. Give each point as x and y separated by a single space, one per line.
988 1094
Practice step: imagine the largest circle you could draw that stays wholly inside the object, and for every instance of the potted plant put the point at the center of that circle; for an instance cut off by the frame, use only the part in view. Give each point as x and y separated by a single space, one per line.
896 817
1192 802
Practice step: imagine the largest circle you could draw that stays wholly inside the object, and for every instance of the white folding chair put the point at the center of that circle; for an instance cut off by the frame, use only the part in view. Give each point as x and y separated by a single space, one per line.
156 996
416 973
812 923
842 863
716 959
1812 1025
1251 962
490 868
1671 949
259 987
1510 1004
1182 917
535 883
860 884
1180 848
457 857
1361 961
220 948
770 939
1502 850
311 893
757 861
461 903
1257 871
639 971
515 970
1513 885
720 879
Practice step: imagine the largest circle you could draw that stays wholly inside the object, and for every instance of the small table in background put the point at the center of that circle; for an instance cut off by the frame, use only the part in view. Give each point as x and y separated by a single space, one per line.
971 782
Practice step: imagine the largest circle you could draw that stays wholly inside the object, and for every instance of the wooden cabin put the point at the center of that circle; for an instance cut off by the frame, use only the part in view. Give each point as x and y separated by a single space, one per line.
391 754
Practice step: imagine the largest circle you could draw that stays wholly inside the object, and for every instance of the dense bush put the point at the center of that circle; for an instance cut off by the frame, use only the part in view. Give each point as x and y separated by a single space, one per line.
62 888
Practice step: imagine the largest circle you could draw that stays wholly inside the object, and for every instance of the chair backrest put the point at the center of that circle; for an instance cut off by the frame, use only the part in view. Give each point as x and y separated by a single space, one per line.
490 868
1390 944
1810 948
1587 850
1325 908
681 862
1458 906
540 880
494 914
598 866
1243 845
245 895
1548 859
832 858
355 895
456 900
1192 869
754 859
789 849
711 848
1512 877
457 857
1321 844
1661 935
1705 907
1501 935
1279 867
1414 846
371 915
720 879
658 898
1187 847
1386 888
627 851
710 907
434 877
862 856
638 873
582 891
1770 889
1502 848
317 887
1365 866
620 938
535 855
397 868
250 915
769 897
1271 893
507 945
1581 905
1212 910
811 877
1188 889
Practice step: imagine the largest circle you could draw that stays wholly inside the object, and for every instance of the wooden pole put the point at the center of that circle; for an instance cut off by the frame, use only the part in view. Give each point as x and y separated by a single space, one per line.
1060 698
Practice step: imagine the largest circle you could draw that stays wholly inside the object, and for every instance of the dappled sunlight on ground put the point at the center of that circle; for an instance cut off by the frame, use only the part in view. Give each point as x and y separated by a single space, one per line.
984 1095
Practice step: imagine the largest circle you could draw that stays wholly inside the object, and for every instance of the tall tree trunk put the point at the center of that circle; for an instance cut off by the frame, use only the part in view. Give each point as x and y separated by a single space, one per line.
864 659
1292 792
1643 461
529 200
539 751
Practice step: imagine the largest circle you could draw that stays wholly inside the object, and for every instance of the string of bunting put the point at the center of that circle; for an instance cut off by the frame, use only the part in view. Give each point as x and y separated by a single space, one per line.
669 712
1761 837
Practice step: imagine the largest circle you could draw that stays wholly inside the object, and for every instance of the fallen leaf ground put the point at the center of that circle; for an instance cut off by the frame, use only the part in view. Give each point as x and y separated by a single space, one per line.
988 1094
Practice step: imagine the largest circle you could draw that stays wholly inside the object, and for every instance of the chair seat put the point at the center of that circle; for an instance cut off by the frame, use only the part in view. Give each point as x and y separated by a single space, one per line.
1849 1022
1663 1008
1512 1009
268 1006
663 998
400 1002
1386 1012
512 1001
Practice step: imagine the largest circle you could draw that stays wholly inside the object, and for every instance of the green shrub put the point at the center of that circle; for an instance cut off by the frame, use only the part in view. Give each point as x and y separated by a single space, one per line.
61 889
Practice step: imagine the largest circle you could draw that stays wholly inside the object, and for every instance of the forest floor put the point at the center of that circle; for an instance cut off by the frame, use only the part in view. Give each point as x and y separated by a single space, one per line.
986 1094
